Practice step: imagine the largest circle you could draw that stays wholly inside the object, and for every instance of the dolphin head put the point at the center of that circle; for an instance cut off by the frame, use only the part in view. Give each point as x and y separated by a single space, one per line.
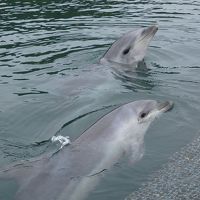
147 110
138 115
143 113
135 118
131 47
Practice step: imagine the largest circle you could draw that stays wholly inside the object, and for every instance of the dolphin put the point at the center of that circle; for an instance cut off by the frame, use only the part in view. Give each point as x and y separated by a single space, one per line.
72 172
126 53
130 48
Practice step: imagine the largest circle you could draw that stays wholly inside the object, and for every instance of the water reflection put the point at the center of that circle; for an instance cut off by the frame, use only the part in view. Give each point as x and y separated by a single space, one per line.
132 78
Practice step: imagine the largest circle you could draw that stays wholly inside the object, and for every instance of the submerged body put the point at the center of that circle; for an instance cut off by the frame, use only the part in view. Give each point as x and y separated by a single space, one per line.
71 173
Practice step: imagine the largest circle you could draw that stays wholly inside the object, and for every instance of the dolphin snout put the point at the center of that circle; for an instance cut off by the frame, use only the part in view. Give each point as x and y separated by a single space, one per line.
165 106
151 30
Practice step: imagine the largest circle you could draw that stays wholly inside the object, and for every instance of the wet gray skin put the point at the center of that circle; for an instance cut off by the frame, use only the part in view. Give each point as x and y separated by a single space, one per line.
131 47
73 172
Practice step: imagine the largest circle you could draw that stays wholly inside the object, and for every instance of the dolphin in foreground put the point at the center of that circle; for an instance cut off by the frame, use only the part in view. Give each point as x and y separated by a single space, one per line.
72 172
130 48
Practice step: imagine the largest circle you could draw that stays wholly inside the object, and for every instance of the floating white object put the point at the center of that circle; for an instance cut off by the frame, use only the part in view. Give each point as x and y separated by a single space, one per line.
63 140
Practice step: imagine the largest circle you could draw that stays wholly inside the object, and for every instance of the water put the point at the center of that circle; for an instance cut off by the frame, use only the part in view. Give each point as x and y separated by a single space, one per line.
178 179
50 85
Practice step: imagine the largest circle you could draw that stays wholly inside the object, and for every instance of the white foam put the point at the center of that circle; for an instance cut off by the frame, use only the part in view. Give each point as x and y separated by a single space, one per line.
63 140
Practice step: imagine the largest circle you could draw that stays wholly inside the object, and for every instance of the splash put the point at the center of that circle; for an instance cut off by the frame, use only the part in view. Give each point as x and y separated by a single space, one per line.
178 179
63 140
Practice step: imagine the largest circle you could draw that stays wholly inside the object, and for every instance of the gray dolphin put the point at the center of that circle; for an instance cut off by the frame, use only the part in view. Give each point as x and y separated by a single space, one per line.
126 52
72 172
131 47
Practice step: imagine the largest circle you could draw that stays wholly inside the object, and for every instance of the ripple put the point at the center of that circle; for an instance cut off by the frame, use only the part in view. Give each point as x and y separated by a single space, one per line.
30 93
31 70
49 83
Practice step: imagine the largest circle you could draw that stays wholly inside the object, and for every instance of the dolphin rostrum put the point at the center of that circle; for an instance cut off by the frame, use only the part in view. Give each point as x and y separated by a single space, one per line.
72 172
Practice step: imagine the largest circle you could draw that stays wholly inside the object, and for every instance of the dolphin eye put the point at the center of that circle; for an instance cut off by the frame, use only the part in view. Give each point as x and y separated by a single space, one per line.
126 51
143 115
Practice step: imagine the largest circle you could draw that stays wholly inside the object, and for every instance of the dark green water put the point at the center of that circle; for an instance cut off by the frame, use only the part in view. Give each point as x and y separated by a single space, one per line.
49 84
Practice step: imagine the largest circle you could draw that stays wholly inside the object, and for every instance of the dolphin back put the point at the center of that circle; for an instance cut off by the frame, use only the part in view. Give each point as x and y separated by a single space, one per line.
61 176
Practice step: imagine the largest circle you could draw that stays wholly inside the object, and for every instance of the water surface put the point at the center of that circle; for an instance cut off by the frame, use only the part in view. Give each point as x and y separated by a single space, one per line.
50 82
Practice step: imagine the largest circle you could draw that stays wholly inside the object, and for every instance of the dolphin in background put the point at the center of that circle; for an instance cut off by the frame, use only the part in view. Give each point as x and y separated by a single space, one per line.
72 172
126 53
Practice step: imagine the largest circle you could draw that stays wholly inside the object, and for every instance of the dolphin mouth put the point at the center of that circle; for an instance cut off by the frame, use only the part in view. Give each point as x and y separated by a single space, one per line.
165 106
